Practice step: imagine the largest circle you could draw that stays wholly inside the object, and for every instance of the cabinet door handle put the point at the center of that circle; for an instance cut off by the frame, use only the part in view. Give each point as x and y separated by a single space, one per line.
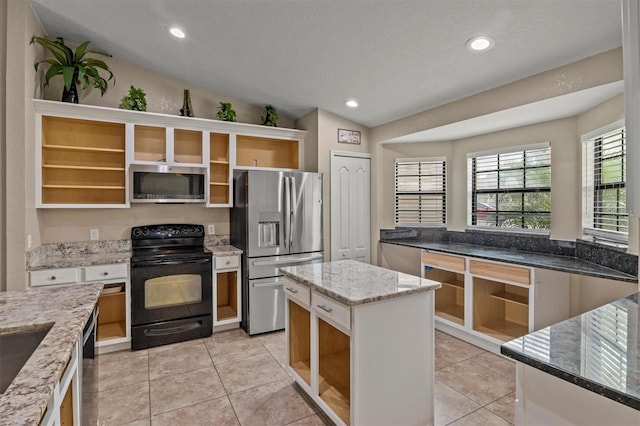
105 273
228 262
292 290
52 277
324 308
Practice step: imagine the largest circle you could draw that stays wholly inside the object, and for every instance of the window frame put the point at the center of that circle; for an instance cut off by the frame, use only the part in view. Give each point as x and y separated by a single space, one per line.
471 190
444 192
590 186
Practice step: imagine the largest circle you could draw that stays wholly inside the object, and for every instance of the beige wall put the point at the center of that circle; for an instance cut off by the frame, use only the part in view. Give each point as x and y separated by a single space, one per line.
310 123
3 138
20 89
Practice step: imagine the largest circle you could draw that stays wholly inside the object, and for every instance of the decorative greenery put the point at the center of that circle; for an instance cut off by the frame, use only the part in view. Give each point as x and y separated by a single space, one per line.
136 100
225 112
269 116
74 67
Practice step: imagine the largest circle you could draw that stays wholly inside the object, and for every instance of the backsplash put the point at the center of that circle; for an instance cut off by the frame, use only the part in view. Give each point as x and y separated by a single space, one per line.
609 257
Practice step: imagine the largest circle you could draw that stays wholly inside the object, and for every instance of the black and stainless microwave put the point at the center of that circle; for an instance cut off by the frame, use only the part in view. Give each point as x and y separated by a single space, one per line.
167 184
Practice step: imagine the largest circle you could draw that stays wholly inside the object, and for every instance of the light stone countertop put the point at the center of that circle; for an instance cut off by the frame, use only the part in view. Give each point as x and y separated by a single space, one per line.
78 260
224 250
354 283
68 308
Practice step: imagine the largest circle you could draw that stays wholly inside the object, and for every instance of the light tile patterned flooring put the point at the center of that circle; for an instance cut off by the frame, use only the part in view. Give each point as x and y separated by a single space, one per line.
233 379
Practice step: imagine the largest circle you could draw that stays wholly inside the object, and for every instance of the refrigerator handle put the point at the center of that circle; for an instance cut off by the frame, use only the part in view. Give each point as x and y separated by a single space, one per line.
294 209
287 211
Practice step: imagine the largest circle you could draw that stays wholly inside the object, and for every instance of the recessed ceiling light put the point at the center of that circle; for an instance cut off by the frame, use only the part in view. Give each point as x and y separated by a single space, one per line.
480 43
177 32
351 103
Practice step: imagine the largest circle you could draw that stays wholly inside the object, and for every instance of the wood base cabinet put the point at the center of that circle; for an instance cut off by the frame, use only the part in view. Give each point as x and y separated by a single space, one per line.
488 303
64 406
227 291
365 364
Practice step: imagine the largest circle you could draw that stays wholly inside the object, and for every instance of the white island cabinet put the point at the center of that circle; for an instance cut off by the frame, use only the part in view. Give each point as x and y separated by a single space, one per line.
360 341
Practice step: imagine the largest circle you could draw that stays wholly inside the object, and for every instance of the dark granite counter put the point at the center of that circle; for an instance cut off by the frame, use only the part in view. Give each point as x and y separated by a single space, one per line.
598 350
568 264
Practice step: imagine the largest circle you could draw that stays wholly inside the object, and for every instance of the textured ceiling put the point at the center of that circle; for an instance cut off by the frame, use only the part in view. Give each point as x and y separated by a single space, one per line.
396 57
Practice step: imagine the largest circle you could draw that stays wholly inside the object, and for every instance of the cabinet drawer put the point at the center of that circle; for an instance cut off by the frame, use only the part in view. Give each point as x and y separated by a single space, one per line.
106 272
443 260
297 292
338 312
226 262
54 276
501 272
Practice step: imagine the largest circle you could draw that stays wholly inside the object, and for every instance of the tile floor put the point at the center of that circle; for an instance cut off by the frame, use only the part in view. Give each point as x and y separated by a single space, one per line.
233 379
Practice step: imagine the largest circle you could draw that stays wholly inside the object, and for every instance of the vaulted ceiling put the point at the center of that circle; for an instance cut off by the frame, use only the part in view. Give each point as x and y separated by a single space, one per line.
395 57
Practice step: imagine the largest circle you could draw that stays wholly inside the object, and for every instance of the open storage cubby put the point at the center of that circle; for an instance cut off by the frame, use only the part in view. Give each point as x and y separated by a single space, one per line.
83 161
150 143
226 295
112 319
187 146
300 341
219 168
334 378
450 297
500 310
254 151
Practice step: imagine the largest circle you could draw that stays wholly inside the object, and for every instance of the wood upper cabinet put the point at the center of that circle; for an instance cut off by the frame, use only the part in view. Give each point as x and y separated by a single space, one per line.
83 152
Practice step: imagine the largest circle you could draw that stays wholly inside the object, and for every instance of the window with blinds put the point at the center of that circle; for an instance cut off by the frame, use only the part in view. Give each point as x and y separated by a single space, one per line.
604 172
511 189
421 197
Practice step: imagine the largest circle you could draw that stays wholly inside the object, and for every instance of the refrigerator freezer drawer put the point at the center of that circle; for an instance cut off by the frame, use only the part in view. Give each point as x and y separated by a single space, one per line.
262 267
266 305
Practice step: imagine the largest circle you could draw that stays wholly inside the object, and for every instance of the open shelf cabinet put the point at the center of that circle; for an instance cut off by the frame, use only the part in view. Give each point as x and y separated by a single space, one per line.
449 297
226 295
112 320
300 341
500 310
252 151
150 143
334 365
187 146
219 168
83 161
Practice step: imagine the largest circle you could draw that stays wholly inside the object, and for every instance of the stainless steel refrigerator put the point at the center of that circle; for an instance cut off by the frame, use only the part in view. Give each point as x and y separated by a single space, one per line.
276 221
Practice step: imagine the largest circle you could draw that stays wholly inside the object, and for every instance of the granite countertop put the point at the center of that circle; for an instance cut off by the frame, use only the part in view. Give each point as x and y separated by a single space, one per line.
538 260
598 350
68 308
224 250
355 283
77 260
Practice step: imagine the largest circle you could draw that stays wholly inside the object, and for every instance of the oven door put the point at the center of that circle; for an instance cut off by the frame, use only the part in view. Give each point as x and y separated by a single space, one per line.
170 290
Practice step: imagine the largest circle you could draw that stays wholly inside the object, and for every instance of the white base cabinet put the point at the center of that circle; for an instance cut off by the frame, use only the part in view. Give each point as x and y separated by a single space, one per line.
226 291
114 304
543 399
488 303
366 364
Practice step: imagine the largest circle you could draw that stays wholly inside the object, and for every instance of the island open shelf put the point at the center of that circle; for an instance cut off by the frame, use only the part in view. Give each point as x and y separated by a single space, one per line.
300 341
334 384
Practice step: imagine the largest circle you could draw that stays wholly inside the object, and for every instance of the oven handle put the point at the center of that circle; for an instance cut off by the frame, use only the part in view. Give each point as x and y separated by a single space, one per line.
286 261
173 330
172 262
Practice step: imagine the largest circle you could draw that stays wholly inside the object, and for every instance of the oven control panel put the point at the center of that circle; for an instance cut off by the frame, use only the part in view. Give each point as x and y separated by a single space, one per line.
153 232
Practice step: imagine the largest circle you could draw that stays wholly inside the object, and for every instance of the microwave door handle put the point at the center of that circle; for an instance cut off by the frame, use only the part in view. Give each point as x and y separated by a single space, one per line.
293 209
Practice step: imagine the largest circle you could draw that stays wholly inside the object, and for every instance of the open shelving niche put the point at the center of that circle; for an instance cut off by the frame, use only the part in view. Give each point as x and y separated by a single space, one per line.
334 369
450 297
83 161
300 341
226 295
220 160
500 310
112 320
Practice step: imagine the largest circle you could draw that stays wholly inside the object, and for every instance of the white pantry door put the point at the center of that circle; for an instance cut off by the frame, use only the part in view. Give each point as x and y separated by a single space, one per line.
350 206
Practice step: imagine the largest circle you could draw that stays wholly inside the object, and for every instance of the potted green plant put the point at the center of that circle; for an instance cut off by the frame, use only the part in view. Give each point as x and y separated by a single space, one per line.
75 67
135 100
269 116
225 112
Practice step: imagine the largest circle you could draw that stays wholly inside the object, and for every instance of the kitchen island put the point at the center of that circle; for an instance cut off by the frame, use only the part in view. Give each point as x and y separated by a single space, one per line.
65 309
360 341
582 371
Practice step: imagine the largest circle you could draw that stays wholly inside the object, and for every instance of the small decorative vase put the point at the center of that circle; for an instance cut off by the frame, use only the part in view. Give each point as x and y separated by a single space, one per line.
71 95
187 109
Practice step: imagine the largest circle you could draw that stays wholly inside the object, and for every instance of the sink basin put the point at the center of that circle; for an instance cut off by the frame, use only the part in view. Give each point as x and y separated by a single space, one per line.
15 350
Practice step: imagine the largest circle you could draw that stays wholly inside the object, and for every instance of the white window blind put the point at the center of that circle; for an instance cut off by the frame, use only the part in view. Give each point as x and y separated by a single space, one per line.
511 189
604 184
421 191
